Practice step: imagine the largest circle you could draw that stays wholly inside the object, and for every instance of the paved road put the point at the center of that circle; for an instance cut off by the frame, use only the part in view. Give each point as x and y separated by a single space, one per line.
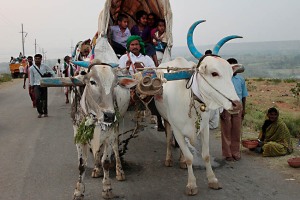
38 161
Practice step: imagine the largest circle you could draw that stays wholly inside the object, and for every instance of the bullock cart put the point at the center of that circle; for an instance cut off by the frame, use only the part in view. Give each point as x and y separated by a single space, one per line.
106 94
103 99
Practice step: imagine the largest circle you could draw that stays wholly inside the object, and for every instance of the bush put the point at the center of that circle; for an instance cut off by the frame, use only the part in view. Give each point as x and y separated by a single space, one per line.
293 125
275 80
258 79
254 117
296 92
290 80
250 86
5 78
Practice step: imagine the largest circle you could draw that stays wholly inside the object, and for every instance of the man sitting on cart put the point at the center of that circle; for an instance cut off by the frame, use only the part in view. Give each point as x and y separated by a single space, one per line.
136 56
134 59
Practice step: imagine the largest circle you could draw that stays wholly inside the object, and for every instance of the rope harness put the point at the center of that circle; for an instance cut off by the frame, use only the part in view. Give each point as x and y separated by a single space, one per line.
190 83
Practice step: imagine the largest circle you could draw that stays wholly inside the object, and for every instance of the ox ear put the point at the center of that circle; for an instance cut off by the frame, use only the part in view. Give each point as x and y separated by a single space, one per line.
127 82
81 77
202 68
83 102
238 68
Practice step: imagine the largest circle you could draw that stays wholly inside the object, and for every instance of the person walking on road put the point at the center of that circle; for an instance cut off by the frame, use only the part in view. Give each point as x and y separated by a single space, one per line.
37 71
68 71
27 75
231 124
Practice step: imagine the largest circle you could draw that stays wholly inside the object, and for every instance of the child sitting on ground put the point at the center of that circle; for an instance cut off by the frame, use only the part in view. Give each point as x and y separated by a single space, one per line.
119 34
159 38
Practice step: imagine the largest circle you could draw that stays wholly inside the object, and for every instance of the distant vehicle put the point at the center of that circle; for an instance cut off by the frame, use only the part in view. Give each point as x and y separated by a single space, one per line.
14 69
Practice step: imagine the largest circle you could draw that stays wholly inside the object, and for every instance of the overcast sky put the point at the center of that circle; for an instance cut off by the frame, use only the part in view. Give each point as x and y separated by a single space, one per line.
57 24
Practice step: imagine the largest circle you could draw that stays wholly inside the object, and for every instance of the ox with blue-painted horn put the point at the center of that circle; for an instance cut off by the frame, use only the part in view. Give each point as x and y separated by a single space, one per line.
210 87
103 101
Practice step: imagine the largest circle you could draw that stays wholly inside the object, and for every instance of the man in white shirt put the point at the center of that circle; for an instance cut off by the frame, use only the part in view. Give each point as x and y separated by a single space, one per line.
69 71
57 68
136 58
21 71
37 70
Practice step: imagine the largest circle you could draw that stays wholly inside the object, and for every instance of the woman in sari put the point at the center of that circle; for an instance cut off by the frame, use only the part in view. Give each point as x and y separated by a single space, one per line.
275 137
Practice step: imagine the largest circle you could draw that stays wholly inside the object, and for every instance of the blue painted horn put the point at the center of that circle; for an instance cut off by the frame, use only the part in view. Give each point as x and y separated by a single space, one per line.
190 41
222 42
84 64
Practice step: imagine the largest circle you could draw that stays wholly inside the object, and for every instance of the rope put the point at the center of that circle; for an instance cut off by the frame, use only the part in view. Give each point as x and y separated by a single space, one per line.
216 89
156 68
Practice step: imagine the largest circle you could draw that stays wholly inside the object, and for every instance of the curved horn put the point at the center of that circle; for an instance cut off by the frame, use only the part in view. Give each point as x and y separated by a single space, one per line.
190 41
84 64
222 42
92 54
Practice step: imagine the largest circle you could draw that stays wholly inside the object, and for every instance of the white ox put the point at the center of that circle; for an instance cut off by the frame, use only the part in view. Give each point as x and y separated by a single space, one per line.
101 101
211 83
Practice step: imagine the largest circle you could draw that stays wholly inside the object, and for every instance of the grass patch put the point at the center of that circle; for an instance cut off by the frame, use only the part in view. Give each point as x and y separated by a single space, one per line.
293 124
290 80
258 79
274 81
5 78
255 117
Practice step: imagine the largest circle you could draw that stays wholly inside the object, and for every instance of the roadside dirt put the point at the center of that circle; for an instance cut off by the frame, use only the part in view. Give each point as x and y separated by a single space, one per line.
264 94
10 83
267 93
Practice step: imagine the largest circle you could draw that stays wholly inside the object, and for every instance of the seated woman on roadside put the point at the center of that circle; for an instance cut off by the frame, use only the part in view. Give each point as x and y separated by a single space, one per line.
275 138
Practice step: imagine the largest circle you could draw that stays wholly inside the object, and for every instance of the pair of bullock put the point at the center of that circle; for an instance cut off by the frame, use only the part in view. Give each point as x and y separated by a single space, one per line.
105 97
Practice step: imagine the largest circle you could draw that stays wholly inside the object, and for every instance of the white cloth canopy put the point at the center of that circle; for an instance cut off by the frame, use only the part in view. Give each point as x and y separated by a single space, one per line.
112 8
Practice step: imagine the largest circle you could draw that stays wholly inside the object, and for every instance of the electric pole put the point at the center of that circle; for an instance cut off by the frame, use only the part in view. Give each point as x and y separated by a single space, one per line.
34 46
23 39
44 54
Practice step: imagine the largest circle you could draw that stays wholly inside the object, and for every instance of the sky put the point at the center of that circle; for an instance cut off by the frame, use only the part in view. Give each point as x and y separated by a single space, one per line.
57 25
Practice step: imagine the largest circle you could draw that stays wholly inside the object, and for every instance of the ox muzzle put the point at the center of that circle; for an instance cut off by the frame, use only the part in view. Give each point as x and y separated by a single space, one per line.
109 117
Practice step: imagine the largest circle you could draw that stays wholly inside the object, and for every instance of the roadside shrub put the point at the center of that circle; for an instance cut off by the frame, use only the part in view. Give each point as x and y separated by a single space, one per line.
275 81
251 86
293 125
290 80
254 117
258 79
5 78
296 92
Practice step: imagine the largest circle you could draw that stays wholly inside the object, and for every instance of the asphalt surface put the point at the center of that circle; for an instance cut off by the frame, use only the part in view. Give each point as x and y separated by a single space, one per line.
38 161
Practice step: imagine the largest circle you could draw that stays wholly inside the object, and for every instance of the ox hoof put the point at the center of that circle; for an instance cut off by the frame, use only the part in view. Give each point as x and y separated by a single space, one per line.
96 173
215 185
169 163
107 194
191 191
183 165
120 177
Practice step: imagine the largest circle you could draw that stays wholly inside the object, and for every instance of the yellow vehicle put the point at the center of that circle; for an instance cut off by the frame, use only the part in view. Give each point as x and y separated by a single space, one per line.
14 69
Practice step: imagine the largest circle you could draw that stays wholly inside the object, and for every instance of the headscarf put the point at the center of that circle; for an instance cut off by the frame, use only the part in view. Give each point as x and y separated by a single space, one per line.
138 38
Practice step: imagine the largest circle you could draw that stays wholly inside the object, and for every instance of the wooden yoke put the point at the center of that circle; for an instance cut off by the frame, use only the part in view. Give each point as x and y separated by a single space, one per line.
65 82
60 82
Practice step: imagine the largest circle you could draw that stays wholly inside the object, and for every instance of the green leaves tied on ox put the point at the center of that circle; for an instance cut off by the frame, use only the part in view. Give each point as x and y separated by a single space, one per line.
85 131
